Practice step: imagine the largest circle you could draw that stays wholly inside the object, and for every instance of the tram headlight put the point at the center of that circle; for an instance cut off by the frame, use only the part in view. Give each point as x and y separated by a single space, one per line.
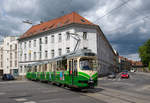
91 79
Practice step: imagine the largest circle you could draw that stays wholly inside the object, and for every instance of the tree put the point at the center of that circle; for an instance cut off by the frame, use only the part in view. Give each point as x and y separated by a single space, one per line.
149 66
144 53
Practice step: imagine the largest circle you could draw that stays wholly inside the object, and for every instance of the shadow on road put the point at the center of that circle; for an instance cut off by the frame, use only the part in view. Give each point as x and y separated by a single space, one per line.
95 90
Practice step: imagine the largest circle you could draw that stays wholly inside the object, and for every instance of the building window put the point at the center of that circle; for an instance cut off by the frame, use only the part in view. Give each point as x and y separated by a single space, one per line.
52 53
15 55
21 56
1 64
59 38
40 40
52 39
40 47
15 46
1 56
84 35
20 69
67 36
25 45
46 40
29 56
34 55
46 54
85 47
59 52
10 55
68 50
34 43
29 44
15 63
40 55
10 47
20 45
25 57
10 63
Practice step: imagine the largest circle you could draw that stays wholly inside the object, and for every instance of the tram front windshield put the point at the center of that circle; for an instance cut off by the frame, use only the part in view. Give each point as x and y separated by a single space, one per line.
87 64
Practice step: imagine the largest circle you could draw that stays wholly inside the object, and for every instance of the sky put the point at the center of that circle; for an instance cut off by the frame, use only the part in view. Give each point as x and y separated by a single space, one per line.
125 23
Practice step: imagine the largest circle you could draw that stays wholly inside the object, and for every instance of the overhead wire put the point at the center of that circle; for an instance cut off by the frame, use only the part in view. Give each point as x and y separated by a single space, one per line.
108 13
129 24
125 3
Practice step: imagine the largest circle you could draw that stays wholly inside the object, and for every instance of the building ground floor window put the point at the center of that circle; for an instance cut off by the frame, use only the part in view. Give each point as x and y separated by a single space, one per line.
14 72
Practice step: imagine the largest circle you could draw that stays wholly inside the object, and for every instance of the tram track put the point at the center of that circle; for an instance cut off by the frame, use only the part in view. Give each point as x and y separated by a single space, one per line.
111 96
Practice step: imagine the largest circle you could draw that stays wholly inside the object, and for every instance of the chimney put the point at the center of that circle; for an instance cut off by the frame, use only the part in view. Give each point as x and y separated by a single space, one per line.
41 22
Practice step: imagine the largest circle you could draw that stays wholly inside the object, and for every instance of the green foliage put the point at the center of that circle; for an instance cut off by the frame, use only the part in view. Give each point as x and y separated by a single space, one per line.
144 53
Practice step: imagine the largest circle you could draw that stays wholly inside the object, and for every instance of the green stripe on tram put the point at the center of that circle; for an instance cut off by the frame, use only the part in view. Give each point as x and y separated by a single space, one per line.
95 75
84 75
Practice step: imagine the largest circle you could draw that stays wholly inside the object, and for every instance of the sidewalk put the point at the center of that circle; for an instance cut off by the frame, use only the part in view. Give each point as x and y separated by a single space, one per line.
144 73
102 78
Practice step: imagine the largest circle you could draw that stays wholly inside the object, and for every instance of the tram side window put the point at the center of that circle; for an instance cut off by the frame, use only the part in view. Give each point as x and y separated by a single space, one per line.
58 65
54 67
45 69
70 72
39 68
35 68
75 67
64 64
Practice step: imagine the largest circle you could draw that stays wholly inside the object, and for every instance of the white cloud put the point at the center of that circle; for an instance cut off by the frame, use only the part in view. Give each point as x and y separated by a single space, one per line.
134 56
124 21
143 30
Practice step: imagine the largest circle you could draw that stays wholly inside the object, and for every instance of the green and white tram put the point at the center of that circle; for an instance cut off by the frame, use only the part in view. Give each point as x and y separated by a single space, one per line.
75 70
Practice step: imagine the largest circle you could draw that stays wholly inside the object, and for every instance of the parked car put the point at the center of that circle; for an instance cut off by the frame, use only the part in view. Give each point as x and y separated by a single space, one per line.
112 75
124 75
125 71
132 70
8 77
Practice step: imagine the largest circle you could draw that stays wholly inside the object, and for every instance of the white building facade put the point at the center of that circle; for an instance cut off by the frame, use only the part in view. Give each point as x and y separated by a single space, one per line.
9 55
1 59
58 41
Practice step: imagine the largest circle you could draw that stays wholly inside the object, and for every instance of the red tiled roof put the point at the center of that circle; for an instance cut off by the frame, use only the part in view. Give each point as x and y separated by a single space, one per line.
55 23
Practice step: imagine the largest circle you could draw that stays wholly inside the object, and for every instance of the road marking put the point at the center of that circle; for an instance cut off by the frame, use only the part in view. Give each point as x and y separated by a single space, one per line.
119 79
100 78
30 102
21 99
5 82
106 98
137 98
146 87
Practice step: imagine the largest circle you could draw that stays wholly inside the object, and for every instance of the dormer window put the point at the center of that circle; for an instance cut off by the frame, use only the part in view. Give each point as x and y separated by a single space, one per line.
51 26
67 21
82 20
58 25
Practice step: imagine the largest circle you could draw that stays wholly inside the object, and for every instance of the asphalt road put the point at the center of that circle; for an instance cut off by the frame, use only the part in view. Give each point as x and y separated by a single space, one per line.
36 92
136 89
137 83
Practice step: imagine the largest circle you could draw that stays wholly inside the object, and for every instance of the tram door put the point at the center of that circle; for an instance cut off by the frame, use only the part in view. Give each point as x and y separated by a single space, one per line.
72 70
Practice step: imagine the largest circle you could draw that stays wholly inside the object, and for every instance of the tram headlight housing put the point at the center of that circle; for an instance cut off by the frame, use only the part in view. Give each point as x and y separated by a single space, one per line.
91 79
